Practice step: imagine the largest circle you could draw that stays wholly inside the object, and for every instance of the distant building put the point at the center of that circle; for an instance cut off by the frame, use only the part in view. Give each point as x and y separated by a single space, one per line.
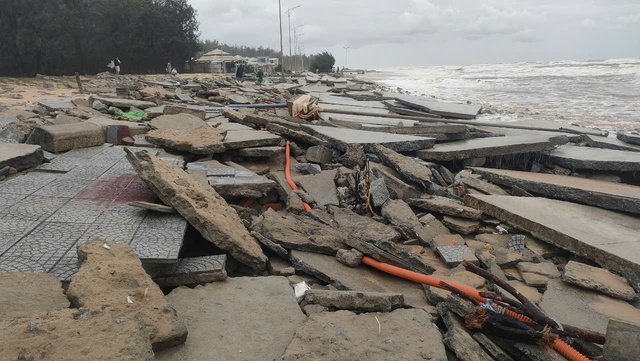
216 61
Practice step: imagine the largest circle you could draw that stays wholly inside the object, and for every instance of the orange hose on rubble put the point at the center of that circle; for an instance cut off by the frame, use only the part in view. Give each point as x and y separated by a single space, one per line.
420 278
559 345
287 174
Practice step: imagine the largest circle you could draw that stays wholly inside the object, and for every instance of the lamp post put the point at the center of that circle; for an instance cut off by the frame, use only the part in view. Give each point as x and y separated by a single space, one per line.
289 16
281 46
346 56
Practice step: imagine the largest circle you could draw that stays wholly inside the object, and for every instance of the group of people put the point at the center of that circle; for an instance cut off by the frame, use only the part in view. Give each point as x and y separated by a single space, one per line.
240 74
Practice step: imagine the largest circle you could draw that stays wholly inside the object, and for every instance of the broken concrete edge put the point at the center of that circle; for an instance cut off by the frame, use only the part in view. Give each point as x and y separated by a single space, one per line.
545 234
247 251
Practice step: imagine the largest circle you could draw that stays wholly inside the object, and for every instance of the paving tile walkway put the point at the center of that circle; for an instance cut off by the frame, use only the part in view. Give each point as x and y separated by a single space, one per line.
80 196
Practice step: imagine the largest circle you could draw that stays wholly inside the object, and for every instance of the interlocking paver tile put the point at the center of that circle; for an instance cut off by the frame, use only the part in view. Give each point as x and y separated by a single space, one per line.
27 183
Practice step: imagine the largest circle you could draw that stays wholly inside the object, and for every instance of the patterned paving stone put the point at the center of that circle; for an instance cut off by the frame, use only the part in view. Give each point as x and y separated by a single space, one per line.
66 267
103 190
156 252
17 264
113 232
79 211
121 167
86 172
47 243
66 188
7 200
452 255
122 214
28 183
12 229
86 152
165 221
189 271
35 207
62 164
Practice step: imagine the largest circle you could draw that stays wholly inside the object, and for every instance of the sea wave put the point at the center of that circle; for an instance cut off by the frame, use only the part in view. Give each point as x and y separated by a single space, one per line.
594 93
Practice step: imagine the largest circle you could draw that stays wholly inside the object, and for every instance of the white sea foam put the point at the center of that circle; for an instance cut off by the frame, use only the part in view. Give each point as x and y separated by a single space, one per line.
602 93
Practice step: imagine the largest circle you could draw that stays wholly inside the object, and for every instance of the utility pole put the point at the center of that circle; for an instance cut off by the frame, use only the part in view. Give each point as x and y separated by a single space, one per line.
346 56
295 46
281 46
289 16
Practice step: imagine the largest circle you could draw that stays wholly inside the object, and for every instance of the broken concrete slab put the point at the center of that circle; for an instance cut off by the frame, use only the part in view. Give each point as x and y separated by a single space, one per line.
603 194
295 135
72 334
355 300
621 341
446 206
115 267
351 258
414 171
483 186
363 228
454 255
230 179
237 139
319 154
299 232
177 122
321 187
434 224
122 103
609 238
401 216
398 189
450 110
569 304
205 209
20 156
598 279
547 269
194 110
405 334
340 137
458 338
237 333
261 152
629 137
329 270
60 138
461 225
485 147
192 271
56 104
201 140
153 207
24 294
379 192
575 157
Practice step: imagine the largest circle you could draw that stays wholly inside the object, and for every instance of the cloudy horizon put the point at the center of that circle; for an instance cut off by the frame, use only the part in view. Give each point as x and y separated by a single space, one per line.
384 34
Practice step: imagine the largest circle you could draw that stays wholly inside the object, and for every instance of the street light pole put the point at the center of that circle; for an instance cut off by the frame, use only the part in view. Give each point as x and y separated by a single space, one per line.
281 46
289 16
295 46
346 56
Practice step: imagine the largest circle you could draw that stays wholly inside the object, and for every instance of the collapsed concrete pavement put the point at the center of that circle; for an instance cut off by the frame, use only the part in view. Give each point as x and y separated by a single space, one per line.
226 209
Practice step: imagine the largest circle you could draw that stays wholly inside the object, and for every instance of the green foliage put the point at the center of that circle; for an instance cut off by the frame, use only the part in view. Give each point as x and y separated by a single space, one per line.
323 62
57 37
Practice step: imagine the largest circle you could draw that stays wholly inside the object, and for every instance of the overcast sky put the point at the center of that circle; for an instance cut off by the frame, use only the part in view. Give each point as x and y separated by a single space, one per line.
394 33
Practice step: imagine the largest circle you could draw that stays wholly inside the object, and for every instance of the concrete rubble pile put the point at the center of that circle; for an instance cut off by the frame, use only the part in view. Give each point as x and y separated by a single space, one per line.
204 220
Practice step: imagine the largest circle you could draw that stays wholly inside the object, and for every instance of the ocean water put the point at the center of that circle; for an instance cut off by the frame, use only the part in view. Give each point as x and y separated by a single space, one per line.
598 94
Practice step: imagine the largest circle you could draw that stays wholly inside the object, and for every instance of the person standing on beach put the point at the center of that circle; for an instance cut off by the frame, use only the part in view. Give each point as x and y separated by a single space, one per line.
240 72
260 76
116 64
169 67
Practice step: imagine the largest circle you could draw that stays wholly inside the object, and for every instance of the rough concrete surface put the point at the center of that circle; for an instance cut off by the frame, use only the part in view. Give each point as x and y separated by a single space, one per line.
598 279
201 140
343 335
569 304
242 318
609 238
616 196
485 147
355 300
414 171
341 137
622 341
25 294
446 206
20 156
574 157
113 277
70 335
60 138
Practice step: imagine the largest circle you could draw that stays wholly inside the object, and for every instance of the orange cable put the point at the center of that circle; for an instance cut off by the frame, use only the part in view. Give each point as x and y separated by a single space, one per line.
287 174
